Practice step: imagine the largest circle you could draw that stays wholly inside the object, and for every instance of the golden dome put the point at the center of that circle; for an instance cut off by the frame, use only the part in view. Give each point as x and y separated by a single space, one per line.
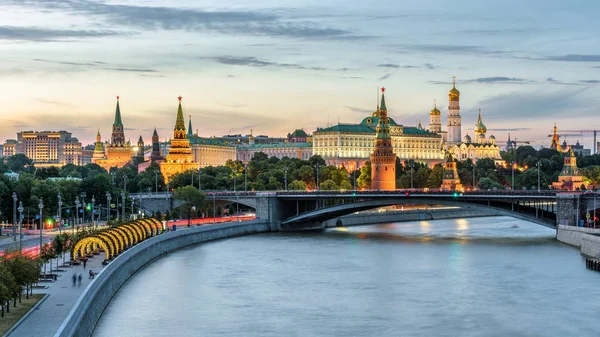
435 110
454 94
480 127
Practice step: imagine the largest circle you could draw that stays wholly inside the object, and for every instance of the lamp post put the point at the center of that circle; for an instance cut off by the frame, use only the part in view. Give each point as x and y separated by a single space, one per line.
411 165
20 225
155 181
214 207
192 174
14 197
77 204
93 210
538 164
124 183
59 213
512 184
82 207
594 209
199 179
246 178
122 206
285 177
474 182
234 181
317 187
108 197
132 206
355 168
41 207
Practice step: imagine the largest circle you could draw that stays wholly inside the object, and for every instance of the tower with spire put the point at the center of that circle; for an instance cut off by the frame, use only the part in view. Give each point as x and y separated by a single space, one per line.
190 132
98 148
450 178
155 155
179 158
555 143
480 130
454 120
139 156
435 122
570 177
383 159
118 152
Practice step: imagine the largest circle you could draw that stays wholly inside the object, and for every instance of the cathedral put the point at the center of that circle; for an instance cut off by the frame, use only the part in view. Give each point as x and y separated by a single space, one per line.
180 158
116 153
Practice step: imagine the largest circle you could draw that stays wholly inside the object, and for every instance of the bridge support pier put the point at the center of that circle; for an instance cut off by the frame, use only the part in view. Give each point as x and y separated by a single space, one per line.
567 209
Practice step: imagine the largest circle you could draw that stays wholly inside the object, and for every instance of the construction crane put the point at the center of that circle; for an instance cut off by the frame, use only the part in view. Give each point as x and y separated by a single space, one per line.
560 135
588 131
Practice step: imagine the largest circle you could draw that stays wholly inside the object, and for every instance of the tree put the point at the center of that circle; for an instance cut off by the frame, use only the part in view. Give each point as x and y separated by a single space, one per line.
488 184
192 199
435 177
8 287
364 180
18 162
329 185
297 185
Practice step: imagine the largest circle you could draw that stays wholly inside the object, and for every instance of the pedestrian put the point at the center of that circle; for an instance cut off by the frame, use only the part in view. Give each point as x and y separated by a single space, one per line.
74 278
79 277
84 262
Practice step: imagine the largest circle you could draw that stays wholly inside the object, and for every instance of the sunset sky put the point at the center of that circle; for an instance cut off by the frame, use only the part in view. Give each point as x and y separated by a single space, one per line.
274 66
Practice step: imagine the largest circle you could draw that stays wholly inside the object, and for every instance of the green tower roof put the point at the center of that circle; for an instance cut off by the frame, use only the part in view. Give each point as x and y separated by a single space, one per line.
179 123
382 105
118 121
190 126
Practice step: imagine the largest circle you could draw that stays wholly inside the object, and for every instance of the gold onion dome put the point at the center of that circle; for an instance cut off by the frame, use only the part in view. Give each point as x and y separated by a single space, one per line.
480 127
454 94
435 110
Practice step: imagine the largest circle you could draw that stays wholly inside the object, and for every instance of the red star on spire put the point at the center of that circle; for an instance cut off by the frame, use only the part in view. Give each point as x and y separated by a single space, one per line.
383 89
117 97
179 98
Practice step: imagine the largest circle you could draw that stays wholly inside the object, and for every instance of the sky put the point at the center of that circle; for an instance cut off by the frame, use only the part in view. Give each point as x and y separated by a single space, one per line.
274 66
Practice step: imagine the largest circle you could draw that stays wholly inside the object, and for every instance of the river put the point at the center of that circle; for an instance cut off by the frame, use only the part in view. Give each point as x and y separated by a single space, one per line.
466 277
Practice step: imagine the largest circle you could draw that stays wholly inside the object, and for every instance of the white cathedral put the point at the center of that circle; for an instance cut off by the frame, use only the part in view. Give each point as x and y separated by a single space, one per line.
475 148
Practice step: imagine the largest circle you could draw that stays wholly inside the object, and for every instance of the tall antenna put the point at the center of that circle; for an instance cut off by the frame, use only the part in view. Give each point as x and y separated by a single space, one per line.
377 103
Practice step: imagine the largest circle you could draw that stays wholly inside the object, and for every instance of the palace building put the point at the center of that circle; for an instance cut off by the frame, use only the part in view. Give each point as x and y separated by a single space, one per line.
350 145
383 159
478 148
117 153
296 147
180 158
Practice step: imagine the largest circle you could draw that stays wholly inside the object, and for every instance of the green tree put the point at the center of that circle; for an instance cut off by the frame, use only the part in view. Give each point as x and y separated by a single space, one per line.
19 163
364 180
192 200
297 185
329 185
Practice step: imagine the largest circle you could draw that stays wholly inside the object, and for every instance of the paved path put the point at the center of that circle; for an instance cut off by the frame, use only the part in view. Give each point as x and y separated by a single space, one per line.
48 317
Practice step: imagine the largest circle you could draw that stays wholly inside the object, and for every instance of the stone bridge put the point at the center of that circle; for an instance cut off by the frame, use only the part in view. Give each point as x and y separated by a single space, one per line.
299 210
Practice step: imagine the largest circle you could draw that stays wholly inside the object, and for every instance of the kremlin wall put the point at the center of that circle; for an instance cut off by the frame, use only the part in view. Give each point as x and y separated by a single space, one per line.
377 138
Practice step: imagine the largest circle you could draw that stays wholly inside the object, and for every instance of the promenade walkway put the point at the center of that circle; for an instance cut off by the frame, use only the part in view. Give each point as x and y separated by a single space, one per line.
47 318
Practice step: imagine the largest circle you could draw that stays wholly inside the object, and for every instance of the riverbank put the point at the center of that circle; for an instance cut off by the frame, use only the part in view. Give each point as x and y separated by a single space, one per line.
89 307
587 239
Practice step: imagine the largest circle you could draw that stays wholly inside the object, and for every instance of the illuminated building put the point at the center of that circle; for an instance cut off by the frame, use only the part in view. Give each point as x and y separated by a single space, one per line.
570 178
180 158
383 159
478 148
118 152
298 148
454 120
450 178
46 148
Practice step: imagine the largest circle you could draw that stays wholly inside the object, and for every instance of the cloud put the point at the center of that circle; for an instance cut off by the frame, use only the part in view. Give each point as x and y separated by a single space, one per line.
429 66
510 129
388 65
46 34
446 49
590 81
385 77
396 66
497 79
251 61
573 58
186 19
536 104
91 64
233 105
135 70
359 110
55 103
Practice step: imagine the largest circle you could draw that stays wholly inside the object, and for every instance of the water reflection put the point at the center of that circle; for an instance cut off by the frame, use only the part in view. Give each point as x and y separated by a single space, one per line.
484 277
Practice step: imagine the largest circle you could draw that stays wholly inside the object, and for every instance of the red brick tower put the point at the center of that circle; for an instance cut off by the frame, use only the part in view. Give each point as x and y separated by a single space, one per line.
383 159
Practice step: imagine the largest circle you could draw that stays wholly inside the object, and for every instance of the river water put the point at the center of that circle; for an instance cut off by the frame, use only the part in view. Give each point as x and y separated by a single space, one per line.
466 277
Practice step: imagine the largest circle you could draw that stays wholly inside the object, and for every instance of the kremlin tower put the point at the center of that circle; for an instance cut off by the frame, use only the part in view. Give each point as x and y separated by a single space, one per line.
450 178
180 158
98 149
118 153
435 122
383 159
155 155
454 124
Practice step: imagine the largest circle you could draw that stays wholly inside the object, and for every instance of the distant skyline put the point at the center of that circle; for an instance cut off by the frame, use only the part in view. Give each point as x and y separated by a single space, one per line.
274 66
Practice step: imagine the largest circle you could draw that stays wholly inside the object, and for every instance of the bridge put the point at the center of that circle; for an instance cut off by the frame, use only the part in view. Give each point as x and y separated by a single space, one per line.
302 210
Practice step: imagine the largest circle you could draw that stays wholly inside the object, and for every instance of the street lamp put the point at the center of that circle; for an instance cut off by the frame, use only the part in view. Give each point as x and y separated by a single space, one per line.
41 207
317 187
59 212
155 181
107 207
132 205
93 210
512 165
474 182
20 225
246 178
77 204
538 164
411 165
285 177
214 207
122 206
234 181
83 207
199 179
14 196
